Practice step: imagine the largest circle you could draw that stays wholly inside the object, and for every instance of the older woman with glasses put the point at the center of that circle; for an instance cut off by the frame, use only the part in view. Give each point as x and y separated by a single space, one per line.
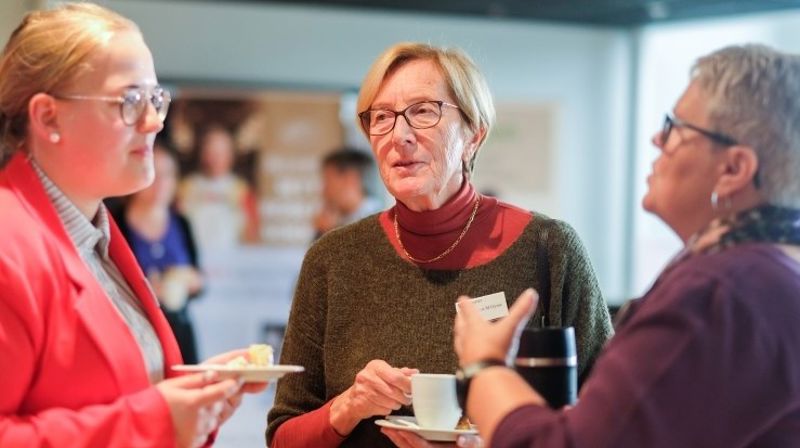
710 356
84 348
375 299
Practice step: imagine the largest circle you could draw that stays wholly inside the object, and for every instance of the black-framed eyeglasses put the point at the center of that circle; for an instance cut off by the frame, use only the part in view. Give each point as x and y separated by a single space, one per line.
133 102
422 115
670 122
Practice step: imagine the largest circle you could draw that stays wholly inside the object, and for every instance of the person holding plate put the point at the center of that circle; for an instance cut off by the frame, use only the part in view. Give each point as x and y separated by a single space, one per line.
375 299
86 354
710 356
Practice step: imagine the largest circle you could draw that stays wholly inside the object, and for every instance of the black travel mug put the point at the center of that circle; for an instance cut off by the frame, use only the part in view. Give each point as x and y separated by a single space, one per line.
548 361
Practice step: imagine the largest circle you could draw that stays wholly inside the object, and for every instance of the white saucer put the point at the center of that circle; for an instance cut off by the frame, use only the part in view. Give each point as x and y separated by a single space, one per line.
254 374
430 434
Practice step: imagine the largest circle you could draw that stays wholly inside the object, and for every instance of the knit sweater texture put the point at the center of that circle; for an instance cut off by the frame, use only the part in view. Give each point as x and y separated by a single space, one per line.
358 300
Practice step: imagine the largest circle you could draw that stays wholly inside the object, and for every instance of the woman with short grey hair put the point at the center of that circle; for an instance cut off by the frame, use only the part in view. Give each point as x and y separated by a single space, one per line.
710 356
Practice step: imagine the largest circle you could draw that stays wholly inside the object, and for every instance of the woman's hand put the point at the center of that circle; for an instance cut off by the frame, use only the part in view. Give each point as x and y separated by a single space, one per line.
195 403
232 403
498 391
378 389
223 358
406 439
476 339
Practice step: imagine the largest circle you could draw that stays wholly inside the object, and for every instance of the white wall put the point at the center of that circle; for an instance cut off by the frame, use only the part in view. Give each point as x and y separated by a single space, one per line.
666 56
584 70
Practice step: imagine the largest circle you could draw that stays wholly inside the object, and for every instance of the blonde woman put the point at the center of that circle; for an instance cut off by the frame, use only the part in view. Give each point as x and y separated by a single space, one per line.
375 300
85 351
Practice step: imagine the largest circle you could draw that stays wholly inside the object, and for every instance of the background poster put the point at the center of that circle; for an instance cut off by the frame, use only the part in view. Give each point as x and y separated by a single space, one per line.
276 139
517 162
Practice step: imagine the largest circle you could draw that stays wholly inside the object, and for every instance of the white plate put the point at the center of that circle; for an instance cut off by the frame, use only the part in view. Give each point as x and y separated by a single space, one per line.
252 374
430 434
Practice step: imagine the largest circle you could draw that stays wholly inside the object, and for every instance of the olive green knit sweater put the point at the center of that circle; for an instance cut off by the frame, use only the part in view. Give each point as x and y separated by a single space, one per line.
358 300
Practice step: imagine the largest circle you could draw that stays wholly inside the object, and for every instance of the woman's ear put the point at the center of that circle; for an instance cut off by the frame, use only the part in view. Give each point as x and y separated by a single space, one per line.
43 118
477 138
740 164
473 144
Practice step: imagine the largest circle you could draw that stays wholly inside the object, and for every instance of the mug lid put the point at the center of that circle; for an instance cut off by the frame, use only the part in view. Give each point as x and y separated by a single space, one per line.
550 342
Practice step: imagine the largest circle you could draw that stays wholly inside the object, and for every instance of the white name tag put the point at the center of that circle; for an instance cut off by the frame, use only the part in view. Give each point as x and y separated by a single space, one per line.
491 307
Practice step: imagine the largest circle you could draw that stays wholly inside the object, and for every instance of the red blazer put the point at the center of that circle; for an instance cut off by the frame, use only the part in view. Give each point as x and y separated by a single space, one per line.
71 373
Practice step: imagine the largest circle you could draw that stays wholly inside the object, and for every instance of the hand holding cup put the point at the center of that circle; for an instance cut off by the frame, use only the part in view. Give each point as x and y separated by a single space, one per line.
378 389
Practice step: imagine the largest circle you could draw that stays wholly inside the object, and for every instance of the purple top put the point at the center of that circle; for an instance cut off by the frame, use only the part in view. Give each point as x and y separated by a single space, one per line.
710 357
157 256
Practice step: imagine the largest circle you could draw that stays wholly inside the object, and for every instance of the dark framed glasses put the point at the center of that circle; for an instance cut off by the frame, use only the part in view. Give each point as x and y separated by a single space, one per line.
133 102
422 115
670 122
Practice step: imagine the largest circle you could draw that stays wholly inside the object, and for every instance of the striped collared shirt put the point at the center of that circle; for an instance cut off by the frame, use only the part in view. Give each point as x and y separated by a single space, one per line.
92 240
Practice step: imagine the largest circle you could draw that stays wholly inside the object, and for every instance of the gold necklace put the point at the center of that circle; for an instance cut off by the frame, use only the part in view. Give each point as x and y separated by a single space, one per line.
449 249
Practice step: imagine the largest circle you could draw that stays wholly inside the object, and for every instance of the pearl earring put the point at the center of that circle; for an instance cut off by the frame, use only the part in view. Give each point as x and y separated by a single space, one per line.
55 137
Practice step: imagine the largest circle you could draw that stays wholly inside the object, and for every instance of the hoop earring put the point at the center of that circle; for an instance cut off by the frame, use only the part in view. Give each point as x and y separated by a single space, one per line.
727 203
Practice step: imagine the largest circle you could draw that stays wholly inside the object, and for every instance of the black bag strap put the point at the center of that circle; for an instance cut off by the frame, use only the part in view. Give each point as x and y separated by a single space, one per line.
543 268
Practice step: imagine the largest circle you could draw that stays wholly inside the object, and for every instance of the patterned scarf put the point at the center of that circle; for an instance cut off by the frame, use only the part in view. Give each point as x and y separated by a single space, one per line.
762 224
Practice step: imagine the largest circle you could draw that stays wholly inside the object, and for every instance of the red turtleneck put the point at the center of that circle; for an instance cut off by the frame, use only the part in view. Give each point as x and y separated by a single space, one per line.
425 235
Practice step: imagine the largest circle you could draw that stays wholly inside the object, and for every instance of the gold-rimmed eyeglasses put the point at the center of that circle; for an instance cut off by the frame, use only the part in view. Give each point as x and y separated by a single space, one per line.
133 102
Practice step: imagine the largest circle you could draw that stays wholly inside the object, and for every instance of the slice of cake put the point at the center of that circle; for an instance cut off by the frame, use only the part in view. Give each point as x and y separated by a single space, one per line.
260 355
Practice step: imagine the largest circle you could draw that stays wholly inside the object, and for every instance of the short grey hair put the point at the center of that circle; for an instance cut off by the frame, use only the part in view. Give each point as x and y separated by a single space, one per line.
754 96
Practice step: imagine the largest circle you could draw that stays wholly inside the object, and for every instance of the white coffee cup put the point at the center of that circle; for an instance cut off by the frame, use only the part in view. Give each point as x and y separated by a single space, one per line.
434 398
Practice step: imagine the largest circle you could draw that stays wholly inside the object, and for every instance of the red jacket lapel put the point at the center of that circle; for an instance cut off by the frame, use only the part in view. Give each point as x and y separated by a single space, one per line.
121 253
100 317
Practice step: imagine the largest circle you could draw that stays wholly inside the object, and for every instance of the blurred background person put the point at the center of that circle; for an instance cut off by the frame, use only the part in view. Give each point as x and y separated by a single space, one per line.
162 242
710 356
220 205
85 350
374 303
345 198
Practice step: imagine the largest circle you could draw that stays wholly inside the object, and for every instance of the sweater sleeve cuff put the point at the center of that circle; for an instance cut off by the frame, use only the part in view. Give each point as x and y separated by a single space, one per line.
312 429
329 432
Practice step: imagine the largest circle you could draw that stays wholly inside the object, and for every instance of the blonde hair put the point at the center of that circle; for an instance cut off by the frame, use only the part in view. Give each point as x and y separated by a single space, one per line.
464 80
46 52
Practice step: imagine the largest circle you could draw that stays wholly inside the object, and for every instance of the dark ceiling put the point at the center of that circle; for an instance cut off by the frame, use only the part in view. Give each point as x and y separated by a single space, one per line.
597 12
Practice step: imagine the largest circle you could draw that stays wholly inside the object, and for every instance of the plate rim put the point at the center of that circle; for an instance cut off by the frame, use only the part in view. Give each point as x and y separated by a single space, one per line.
449 432
276 368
